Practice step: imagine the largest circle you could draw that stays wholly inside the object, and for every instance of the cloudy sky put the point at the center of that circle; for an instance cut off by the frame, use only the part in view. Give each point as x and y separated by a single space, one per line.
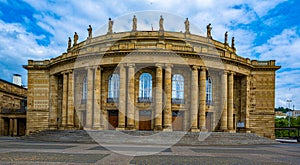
263 29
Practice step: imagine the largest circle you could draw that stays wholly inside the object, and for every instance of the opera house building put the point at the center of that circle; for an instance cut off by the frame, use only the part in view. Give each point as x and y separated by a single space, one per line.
154 80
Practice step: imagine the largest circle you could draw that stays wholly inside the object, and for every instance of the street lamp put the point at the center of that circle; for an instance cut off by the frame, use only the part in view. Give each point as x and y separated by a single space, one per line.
289 102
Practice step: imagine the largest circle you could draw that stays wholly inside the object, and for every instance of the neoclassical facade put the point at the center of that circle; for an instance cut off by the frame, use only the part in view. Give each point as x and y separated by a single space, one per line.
152 80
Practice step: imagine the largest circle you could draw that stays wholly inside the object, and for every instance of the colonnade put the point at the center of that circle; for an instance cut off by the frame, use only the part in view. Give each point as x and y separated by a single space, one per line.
126 106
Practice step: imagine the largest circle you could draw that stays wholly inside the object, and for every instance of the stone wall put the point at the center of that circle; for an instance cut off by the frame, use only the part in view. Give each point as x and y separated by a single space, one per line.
262 104
38 100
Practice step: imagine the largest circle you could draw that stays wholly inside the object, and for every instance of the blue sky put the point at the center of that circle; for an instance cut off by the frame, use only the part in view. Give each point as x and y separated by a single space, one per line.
263 30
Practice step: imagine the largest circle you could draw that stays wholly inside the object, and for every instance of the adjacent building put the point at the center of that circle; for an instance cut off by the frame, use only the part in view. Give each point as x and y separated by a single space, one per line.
152 80
12 108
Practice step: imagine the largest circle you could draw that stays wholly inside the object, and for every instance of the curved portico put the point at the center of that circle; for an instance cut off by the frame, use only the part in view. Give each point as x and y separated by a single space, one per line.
151 80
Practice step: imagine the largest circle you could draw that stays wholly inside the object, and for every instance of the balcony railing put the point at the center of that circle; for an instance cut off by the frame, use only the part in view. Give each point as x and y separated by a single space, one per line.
144 99
177 101
112 100
209 102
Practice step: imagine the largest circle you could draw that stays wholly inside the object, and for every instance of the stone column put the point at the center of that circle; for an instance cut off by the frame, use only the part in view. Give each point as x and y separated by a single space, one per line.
89 100
122 98
168 98
194 100
97 98
247 104
130 97
15 129
224 101
53 105
64 100
11 127
70 120
158 99
202 95
230 102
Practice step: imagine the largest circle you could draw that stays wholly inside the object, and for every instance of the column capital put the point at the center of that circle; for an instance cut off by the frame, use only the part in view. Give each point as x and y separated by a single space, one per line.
130 65
89 67
195 67
159 65
203 67
168 66
95 67
232 72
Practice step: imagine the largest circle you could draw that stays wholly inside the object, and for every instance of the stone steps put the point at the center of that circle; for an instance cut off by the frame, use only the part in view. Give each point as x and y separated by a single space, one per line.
149 137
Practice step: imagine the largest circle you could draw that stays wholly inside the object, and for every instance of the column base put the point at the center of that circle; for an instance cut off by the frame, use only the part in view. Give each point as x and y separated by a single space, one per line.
87 128
121 128
168 129
224 129
97 128
130 127
231 131
158 128
195 130
203 129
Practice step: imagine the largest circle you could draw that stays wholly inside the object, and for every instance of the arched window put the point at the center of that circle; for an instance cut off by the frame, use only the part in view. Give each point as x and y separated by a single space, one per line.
145 90
208 91
177 89
84 90
113 88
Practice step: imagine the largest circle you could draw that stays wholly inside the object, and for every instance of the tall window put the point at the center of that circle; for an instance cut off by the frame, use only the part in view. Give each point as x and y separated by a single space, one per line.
208 91
113 88
84 90
145 92
178 89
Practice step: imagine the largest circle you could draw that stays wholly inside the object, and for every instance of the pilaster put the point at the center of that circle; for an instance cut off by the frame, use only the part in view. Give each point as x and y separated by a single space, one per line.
64 100
70 114
89 100
202 95
158 99
130 97
53 106
168 98
122 98
230 102
224 101
194 100
97 99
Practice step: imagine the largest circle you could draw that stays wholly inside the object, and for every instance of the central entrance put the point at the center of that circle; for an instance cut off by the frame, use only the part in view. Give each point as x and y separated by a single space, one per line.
145 120
177 120
113 116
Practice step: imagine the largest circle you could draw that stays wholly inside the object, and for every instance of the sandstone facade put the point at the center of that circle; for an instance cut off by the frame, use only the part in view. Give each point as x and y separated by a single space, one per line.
221 91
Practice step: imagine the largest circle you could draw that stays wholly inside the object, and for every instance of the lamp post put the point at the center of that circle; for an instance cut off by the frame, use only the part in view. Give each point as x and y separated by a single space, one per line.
289 102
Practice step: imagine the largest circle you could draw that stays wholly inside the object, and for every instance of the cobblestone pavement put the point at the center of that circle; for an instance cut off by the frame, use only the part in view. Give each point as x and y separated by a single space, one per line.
15 151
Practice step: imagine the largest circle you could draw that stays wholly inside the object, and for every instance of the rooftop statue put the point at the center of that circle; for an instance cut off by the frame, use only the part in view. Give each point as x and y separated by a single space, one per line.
208 29
110 26
232 43
69 43
90 31
161 24
134 24
75 39
187 25
226 38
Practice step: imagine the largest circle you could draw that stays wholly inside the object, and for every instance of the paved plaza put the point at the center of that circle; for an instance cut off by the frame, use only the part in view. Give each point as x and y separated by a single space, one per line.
16 151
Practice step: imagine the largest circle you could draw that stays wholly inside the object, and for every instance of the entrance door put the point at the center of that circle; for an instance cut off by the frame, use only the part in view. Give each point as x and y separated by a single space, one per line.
208 121
177 120
113 119
145 120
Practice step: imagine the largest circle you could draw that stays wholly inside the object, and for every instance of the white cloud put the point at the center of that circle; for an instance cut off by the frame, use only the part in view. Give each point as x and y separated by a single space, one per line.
283 47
